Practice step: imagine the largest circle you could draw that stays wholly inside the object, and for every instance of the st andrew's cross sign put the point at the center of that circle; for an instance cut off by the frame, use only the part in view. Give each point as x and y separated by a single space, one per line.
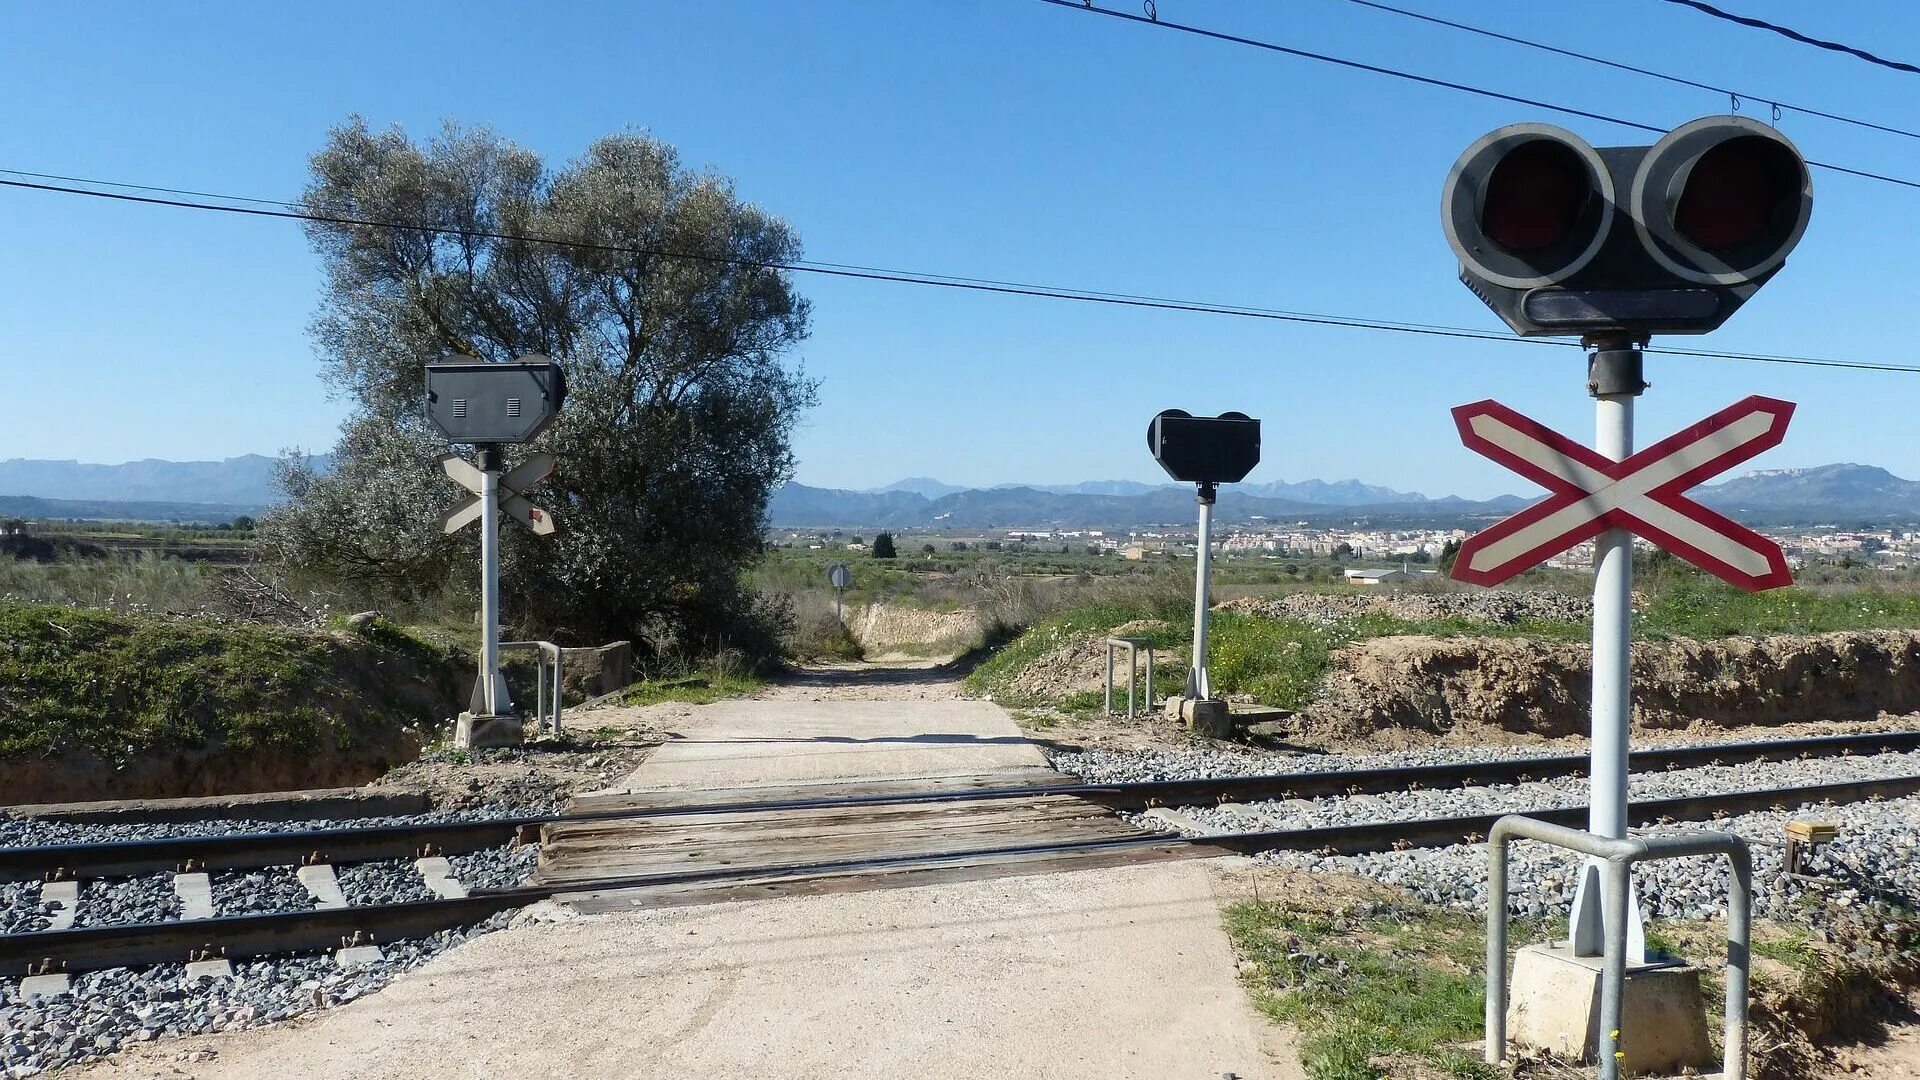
1644 494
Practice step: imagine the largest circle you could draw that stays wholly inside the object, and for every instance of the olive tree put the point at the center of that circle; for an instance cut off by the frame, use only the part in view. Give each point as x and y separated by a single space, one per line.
654 285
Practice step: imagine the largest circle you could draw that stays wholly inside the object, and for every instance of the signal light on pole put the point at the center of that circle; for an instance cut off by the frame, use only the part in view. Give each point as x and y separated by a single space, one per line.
1558 237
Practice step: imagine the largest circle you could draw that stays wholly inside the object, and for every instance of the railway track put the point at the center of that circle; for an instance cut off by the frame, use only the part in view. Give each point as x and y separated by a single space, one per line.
79 949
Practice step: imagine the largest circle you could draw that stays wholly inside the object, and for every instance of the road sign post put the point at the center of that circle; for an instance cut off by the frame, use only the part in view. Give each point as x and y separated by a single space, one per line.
839 577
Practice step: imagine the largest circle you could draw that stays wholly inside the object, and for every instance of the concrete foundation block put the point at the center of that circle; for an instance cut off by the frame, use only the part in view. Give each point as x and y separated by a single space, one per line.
66 896
45 986
209 969
196 895
1555 1006
357 956
323 885
437 874
472 732
1207 716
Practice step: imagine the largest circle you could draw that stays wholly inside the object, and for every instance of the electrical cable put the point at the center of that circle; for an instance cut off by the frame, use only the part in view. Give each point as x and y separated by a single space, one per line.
1649 72
291 211
1795 35
1408 76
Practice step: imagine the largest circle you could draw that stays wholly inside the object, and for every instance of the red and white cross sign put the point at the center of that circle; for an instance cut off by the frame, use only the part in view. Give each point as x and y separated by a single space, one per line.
1643 494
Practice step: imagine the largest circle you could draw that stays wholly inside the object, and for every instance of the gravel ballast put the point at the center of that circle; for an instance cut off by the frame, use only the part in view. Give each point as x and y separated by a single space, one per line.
1875 854
110 1009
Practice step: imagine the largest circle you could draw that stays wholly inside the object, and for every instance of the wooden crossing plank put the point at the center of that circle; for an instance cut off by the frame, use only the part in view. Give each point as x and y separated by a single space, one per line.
585 851
598 901
667 798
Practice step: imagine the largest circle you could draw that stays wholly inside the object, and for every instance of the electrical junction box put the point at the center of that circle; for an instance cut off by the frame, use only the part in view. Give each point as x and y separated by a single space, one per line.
475 402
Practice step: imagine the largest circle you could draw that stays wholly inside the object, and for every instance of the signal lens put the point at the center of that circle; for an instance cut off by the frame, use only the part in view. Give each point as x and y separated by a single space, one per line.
1536 196
1736 192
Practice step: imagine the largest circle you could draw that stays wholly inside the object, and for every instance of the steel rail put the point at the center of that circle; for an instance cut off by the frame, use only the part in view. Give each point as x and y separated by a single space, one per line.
252 850
245 851
96 947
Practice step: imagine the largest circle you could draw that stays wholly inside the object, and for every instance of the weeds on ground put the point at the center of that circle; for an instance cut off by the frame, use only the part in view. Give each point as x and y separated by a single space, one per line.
1703 609
1376 987
695 688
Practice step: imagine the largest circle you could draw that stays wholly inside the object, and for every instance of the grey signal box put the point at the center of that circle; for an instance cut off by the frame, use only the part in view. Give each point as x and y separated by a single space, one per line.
476 402
1205 449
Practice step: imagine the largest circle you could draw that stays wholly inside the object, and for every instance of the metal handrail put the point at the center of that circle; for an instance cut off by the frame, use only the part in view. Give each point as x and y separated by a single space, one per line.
1622 854
545 712
1133 646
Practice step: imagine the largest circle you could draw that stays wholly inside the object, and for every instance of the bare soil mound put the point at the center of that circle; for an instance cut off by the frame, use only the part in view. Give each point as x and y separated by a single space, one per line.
1475 686
884 629
1079 664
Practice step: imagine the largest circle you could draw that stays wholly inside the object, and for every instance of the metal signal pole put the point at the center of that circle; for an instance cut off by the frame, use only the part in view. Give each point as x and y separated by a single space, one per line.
490 689
1197 686
1614 379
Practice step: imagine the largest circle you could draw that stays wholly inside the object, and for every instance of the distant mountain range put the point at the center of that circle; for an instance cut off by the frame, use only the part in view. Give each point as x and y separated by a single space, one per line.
215 491
1104 504
1841 494
245 481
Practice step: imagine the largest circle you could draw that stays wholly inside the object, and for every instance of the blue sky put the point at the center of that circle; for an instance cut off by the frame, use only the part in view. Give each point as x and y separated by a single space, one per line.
992 138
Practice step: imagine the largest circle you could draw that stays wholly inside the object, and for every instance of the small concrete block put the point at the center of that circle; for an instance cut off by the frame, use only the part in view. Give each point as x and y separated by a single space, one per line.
1207 716
196 895
1176 820
209 969
66 894
1555 1006
45 986
358 956
472 732
437 873
323 885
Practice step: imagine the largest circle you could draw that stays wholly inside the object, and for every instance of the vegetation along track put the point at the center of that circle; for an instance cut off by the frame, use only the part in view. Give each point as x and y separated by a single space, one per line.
88 948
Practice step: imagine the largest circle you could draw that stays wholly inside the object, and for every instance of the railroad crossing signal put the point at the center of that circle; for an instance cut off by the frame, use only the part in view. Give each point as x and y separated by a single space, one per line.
511 484
1558 237
1642 494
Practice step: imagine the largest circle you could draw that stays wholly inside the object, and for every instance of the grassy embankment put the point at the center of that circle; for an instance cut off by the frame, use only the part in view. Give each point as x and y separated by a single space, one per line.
1380 985
121 686
1281 662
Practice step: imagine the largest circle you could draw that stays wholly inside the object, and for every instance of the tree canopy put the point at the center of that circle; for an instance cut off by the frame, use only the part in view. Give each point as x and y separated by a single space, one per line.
658 290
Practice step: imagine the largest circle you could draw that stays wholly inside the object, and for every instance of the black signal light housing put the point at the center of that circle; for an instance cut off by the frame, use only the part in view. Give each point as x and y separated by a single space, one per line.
1204 449
1560 238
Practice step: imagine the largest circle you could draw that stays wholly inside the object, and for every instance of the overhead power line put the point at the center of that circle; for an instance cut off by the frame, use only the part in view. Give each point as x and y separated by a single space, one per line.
1426 80
1677 80
1789 32
291 211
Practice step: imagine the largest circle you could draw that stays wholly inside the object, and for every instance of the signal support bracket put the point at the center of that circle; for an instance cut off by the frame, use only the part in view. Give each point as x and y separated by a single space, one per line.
1615 367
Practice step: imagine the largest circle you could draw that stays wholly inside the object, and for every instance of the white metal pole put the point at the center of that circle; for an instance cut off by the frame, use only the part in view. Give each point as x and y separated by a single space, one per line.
1612 637
1612 689
1202 579
490 589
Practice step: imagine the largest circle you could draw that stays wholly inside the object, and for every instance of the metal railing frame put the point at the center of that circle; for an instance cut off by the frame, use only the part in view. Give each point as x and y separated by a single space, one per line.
546 711
1133 647
1622 854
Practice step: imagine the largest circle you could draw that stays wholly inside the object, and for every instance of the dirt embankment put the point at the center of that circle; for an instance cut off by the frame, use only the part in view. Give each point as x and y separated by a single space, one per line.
95 705
887 630
1476 686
